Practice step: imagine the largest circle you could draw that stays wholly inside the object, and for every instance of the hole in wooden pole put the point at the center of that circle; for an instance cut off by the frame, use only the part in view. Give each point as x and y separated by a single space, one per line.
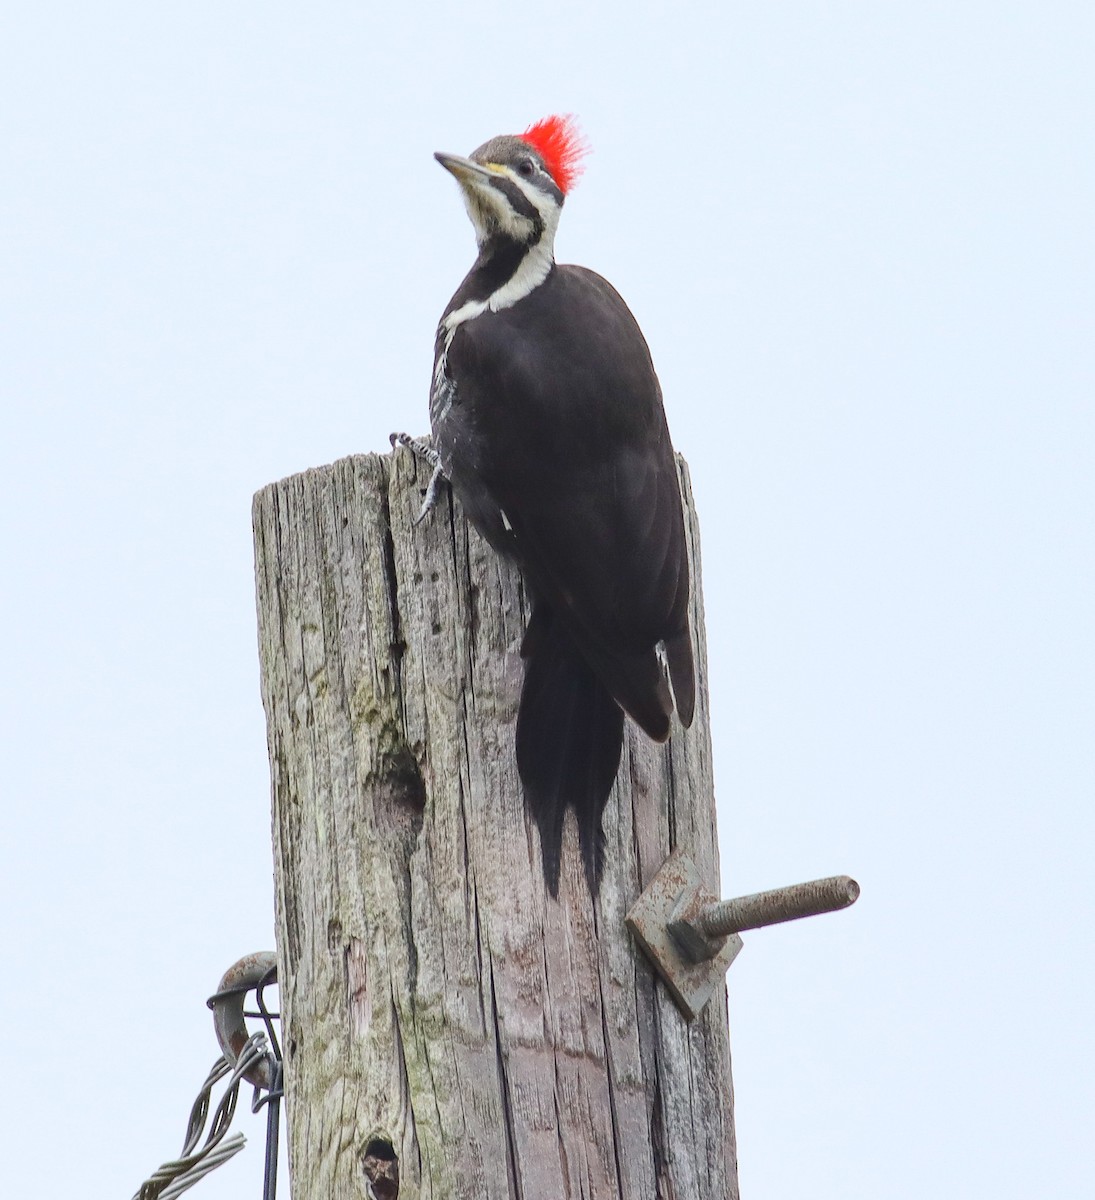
381 1167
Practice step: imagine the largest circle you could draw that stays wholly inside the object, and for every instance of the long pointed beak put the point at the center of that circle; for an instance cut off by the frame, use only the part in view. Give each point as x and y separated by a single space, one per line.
464 169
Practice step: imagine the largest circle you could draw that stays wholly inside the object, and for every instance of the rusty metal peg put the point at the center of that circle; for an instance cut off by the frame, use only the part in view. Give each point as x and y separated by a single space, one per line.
691 936
700 927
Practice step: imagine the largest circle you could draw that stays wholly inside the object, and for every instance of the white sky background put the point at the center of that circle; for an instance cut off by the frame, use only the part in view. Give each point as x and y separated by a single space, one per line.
859 238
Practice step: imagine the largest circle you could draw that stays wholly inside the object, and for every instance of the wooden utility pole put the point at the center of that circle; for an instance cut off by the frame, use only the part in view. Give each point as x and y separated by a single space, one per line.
450 1031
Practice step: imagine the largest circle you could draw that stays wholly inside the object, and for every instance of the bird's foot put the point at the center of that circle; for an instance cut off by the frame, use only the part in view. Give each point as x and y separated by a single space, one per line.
429 501
417 446
427 453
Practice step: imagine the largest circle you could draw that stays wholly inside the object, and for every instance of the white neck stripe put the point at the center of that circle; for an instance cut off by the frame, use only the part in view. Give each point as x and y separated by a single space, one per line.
531 272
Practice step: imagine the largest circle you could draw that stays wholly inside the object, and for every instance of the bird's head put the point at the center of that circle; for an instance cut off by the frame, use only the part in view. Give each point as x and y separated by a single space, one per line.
514 185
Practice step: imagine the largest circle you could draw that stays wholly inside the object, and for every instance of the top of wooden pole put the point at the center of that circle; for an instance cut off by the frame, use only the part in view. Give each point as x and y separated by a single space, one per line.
435 999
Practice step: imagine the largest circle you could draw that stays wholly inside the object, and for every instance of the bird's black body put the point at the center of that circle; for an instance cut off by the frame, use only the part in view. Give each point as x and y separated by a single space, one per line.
547 417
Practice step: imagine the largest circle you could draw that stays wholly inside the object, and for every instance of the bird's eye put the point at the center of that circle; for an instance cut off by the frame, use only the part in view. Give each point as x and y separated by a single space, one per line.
526 167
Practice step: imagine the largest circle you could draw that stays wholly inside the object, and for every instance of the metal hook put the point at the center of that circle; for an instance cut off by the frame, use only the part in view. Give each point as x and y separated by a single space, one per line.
252 971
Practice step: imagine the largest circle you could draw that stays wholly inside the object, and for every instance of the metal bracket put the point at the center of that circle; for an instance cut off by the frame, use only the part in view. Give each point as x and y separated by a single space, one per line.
691 936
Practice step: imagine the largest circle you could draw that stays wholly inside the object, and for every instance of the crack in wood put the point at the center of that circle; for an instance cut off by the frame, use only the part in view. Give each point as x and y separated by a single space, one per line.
503 1087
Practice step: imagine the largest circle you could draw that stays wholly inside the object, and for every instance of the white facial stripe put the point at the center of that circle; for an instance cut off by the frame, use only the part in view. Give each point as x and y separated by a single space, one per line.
545 205
491 212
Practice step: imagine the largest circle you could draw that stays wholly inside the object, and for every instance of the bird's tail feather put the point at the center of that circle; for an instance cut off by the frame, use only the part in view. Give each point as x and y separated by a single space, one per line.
569 739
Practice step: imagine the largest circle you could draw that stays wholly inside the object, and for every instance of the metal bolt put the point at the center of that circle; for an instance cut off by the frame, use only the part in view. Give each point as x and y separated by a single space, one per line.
700 928
691 936
779 905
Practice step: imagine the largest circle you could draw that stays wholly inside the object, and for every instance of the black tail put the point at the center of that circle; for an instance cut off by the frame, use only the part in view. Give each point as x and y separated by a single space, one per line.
569 737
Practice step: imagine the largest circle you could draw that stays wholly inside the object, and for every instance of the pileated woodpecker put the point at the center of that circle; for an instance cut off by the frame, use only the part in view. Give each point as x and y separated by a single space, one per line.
547 421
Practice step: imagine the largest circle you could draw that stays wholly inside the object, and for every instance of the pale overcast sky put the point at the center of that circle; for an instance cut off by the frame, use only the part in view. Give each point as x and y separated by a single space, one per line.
859 239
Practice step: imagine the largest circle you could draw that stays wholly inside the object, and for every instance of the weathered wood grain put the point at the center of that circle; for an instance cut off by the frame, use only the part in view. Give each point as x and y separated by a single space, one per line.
434 996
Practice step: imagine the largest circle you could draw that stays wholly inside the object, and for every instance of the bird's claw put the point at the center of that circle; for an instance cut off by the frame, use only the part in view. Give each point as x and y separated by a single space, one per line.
428 454
429 501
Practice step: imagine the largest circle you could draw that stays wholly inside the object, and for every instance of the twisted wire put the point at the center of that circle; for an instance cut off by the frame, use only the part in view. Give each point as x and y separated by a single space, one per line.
180 1174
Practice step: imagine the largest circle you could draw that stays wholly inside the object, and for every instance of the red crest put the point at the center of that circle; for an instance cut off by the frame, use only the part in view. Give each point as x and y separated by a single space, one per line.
562 146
